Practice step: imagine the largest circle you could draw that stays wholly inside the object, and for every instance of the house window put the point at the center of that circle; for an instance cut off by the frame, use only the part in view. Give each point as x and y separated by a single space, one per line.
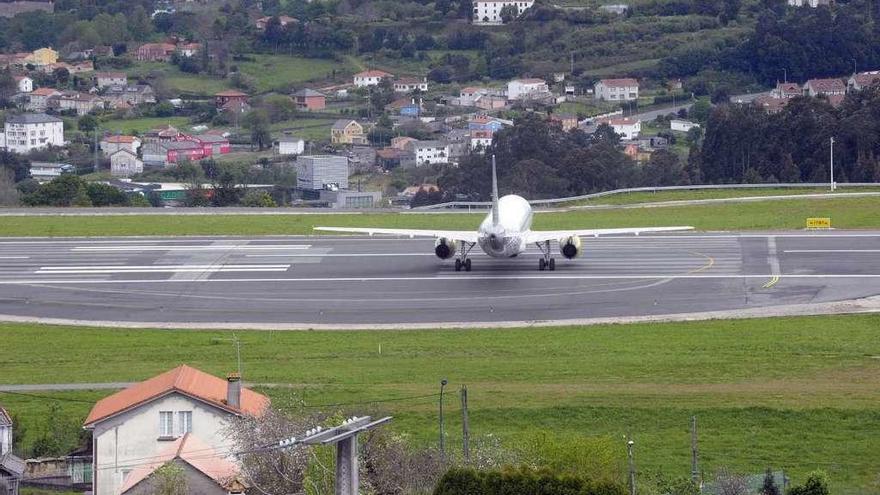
166 424
186 421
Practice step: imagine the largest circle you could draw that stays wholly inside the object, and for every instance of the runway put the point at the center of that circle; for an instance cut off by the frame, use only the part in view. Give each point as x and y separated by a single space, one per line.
340 281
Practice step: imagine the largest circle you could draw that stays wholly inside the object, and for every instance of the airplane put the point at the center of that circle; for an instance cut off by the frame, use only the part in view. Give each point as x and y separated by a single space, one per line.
504 233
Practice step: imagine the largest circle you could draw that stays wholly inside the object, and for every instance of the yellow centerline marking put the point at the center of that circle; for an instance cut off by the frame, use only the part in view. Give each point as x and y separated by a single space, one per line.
772 282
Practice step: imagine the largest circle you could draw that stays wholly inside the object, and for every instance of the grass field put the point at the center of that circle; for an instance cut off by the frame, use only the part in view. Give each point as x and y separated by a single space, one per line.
279 71
852 213
792 393
142 125
698 194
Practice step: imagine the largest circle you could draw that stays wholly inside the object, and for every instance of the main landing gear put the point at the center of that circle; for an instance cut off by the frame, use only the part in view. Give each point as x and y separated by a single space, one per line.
464 261
547 262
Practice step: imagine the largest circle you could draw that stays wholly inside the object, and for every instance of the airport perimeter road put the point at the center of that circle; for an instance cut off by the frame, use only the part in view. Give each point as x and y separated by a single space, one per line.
290 282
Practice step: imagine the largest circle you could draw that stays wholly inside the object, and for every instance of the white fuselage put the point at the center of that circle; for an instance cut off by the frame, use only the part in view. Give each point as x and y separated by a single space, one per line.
505 239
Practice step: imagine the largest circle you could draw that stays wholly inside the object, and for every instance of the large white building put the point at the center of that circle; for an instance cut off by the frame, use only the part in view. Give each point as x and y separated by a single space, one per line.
370 78
319 172
523 89
626 89
625 127
488 12
32 131
141 421
421 153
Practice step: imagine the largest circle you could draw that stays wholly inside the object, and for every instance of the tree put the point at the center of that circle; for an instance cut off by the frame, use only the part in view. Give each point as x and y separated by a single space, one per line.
226 188
169 479
664 169
258 199
9 194
508 13
87 123
257 122
769 486
816 484
61 76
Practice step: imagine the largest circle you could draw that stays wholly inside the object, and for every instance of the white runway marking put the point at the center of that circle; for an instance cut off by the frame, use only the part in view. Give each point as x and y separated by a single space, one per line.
91 270
14 257
444 278
248 247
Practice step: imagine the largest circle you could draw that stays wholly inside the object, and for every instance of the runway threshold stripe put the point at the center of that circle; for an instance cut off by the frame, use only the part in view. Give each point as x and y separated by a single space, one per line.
832 251
173 270
139 267
254 247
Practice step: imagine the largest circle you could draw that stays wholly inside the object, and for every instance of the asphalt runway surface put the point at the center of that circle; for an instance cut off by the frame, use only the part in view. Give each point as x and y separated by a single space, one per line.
379 281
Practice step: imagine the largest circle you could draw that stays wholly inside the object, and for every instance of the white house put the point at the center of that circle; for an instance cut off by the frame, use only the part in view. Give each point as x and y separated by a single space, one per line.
106 79
139 422
488 12
682 125
124 163
425 153
32 131
625 127
519 89
24 84
112 144
290 145
480 140
370 78
410 84
626 89
5 432
827 87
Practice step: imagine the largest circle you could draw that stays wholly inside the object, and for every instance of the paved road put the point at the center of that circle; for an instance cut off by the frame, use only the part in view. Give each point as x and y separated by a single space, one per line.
315 281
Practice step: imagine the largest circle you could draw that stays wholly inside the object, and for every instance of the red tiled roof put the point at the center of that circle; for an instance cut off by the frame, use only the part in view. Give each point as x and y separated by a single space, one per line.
826 85
119 139
185 380
194 452
373 73
620 83
867 78
45 92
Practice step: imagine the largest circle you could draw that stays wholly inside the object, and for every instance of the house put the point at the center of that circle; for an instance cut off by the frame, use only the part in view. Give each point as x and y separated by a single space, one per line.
490 102
163 134
212 144
808 3
410 84
347 132
421 153
485 123
522 89
72 69
480 141
625 127
388 158
131 95
235 107
406 107
400 142
204 469
626 89
653 143
42 56
112 144
468 96
5 431
786 90
370 78
124 163
155 52
11 472
827 87
167 153
141 421
81 103
567 121
290 145
105 79
320 172
682 125
283 20
46 171
863 80
24 84
309 99
32 131
488 12
188 49
223 98
769 104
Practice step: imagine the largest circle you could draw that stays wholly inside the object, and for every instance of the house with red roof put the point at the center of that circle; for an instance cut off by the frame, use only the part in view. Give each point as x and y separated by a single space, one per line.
370 78
864 80
229 96
156 52
147 420
827 87
623 89
112 144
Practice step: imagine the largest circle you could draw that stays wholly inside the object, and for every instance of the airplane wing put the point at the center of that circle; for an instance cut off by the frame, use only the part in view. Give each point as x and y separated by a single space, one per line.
455 235
554 235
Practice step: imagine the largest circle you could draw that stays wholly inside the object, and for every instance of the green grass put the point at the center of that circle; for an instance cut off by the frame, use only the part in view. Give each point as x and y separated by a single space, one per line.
792 393
279 71
311 129
178 81
142 125
852 213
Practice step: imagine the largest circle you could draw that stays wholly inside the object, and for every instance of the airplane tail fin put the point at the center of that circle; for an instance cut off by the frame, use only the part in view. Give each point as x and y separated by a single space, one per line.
494 193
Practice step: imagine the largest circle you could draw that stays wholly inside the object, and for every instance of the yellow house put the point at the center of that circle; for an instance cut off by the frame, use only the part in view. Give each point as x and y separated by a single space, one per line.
42 56
347 132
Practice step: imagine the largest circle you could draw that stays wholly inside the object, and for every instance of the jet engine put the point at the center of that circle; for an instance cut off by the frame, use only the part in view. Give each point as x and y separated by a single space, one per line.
570 247
445 248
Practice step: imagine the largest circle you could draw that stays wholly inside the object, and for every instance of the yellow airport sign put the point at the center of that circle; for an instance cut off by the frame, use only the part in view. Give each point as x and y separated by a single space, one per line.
818 223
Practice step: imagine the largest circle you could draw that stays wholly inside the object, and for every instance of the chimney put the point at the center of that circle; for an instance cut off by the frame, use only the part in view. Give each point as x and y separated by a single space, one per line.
233 390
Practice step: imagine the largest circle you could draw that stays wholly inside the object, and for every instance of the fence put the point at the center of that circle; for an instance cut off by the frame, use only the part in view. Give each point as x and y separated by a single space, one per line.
552 202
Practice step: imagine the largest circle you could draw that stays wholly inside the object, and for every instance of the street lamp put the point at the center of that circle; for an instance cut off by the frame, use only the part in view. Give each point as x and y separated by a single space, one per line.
443 383
632 466
831 166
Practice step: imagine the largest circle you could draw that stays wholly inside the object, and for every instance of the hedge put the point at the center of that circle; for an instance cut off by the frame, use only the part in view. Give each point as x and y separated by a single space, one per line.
465 481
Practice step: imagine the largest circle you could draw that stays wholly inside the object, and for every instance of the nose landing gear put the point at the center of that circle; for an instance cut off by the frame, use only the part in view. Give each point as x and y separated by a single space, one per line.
464 261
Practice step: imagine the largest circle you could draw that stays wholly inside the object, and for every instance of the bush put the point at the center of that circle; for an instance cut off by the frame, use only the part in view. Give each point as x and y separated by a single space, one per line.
460 481
258 199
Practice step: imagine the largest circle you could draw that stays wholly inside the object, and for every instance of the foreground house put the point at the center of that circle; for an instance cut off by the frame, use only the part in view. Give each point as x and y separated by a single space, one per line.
124 163
31 131
11 467
141 422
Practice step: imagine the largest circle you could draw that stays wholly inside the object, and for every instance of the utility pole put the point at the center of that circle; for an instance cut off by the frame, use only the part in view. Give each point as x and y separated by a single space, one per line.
571 70
831 165
443 383
695 472
96 149
632 465
465 426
